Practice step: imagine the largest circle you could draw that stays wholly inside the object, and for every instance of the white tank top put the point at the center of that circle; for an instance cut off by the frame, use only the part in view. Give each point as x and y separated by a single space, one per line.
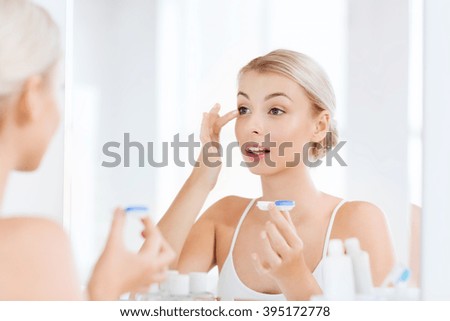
230 287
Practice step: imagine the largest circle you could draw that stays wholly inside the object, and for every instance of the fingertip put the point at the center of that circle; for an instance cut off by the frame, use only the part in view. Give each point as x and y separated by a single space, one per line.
146 218
286 214
119 210
119 214
272 209
231 115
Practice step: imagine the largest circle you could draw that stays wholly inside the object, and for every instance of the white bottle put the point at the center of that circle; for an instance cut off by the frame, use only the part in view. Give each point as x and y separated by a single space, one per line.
361 268
338 273
164 285
198 287
179 288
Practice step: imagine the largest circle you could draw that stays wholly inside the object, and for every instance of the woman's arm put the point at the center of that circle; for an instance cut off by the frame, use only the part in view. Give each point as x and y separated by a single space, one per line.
177 222
198 254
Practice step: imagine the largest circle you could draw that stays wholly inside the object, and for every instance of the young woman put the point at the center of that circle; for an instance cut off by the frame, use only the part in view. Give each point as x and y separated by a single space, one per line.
272 255
35 255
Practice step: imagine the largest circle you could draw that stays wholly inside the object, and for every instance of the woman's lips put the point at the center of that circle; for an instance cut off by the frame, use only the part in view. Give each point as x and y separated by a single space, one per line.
255 151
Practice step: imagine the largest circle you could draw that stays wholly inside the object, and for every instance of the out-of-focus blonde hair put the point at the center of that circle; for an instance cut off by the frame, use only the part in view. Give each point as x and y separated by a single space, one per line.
309 75
29 45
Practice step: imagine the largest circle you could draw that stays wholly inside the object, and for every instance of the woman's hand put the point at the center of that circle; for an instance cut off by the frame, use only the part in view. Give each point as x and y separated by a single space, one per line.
282 253
120 271
209 162
282 257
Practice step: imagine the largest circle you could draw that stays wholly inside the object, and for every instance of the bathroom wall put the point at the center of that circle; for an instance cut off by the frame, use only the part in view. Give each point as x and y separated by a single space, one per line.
377 111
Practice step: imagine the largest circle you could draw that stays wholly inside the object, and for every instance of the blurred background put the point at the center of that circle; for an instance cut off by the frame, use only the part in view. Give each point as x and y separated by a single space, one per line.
151 67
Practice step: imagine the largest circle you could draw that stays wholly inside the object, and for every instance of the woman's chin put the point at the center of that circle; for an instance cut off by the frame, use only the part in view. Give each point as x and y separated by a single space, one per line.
261 168
29 165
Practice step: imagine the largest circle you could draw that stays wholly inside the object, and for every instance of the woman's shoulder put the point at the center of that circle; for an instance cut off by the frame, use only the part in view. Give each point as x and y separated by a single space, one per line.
33 248
227 209
360 209
26 236
26 228
358 218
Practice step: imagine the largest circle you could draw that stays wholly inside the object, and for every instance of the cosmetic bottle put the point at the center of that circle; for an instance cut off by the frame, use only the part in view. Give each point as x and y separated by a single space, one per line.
164 285
338 273
179 288
361 268
198 287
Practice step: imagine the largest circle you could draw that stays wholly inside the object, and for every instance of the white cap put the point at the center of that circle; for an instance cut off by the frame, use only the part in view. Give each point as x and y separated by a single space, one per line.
198 282
164 286
352 245
179 285
335 247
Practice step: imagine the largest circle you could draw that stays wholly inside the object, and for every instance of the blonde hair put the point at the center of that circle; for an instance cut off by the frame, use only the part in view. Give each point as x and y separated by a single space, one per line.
29 45
309 75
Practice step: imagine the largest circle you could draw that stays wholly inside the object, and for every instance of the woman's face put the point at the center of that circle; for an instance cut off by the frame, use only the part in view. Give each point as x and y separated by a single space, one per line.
275 121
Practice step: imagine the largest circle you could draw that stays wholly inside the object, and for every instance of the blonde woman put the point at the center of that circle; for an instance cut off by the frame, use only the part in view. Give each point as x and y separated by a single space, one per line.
273 255
35 256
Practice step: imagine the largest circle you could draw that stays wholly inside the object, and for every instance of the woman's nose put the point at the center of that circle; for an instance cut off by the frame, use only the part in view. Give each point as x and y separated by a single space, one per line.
256 125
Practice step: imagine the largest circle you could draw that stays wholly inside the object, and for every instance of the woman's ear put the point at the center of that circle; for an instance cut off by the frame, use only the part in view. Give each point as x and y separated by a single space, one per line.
321 124
30 100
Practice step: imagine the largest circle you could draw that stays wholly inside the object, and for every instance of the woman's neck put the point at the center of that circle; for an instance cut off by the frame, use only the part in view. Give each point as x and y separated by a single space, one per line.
5 169
3 178
293 184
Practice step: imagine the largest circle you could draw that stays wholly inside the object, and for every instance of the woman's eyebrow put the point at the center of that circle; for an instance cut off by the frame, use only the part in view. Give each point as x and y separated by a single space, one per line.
267 97
243 94
276 95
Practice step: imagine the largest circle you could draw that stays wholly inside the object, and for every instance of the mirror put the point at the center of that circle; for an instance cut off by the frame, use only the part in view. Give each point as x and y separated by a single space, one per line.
144 71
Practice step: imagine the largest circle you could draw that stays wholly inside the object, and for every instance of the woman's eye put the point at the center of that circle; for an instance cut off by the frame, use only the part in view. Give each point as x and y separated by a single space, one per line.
276 111
243 110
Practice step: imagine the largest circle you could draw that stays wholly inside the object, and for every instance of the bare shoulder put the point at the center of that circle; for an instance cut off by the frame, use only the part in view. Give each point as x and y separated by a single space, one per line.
30 230
227 210
35 251
358 218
